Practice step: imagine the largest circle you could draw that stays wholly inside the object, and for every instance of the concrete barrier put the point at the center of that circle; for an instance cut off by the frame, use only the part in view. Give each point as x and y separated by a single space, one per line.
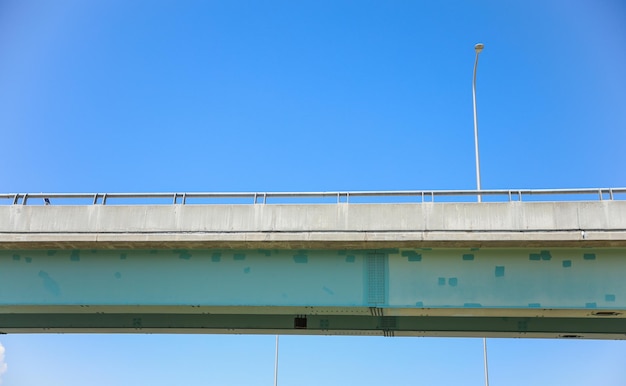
516 224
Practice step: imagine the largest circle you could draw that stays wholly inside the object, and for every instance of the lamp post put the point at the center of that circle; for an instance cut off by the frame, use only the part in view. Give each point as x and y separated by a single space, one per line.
478 48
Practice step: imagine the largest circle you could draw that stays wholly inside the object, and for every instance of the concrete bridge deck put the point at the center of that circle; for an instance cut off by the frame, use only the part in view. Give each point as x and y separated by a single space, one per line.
515 224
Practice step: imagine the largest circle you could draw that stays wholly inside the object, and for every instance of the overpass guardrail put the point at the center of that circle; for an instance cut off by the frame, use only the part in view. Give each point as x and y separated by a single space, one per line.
329 197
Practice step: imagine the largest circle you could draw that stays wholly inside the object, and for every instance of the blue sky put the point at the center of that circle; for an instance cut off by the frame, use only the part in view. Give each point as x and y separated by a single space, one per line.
141 96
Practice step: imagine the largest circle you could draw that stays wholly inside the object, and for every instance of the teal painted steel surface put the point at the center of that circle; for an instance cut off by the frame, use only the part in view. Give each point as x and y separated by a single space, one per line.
408 279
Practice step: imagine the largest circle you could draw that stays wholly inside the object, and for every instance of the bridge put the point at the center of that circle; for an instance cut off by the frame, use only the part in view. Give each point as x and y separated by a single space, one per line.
408 263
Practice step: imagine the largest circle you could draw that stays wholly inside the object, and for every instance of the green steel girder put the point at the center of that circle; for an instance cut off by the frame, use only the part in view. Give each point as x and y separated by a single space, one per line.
557 292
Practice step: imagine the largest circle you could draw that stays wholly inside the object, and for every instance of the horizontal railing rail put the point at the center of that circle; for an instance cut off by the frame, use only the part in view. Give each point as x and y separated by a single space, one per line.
418 196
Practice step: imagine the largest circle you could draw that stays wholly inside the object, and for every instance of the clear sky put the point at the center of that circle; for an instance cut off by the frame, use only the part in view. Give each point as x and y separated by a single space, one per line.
142 96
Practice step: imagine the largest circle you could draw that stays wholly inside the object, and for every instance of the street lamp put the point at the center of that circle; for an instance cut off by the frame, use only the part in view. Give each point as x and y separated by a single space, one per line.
478 48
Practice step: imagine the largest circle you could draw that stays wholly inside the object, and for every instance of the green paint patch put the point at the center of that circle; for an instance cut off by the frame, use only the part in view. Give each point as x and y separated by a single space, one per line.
350 259
28 260
51 252
123 256
328 290
342 252
16 257
499 271
453 281
534 257
412 255
567 263
118 275
591 305
441 281
545 255
94 251
589 256
301 259
75 255
609 297
239 256
184 255
468 256
472 305
419 304
534 305
246 270
216 257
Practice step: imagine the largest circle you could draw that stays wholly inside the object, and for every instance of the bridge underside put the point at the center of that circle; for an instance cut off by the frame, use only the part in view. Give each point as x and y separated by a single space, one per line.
443 326
504 292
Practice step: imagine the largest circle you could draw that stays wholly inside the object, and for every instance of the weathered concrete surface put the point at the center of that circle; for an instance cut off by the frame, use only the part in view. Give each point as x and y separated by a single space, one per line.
600 223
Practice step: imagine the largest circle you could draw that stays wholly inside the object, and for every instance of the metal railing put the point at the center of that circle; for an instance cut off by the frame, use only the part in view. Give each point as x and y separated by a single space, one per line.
418 196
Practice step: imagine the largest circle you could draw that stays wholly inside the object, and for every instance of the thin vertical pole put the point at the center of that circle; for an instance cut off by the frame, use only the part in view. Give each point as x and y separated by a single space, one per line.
276 364
485 359
478 48
476 129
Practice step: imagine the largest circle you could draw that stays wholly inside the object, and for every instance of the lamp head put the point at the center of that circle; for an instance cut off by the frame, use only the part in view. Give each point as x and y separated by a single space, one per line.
479 47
